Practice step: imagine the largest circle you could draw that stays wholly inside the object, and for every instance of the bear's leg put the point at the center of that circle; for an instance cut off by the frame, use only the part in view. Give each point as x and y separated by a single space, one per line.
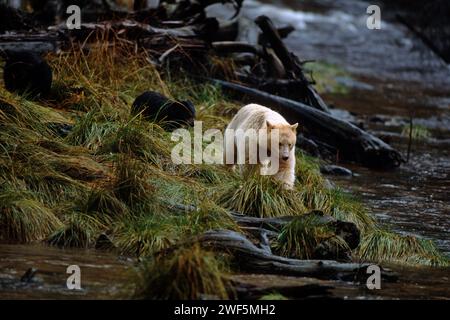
286 173
287 177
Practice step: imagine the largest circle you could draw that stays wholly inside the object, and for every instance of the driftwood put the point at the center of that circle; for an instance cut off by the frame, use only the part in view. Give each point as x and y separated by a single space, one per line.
129 29
37 42
291 63
237 46
275 69
227 32
346 230
352 143
266 230
254 259
188 8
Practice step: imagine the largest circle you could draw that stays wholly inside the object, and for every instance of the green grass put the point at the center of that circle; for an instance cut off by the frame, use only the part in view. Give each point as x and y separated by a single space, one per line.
300 238
273 296
325 74
103 202
130 183
80 230
385 246
419 132
23 218
145 141
145 235
185 273
91 129
260 196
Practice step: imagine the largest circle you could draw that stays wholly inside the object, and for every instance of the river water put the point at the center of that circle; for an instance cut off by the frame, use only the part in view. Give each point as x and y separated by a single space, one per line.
392 76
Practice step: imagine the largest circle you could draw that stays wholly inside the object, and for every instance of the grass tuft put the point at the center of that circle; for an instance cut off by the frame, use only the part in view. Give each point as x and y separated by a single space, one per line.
273 296
142 140
385 246
104 202
260 196
131 185
80 231
301 237
23 218
184 274
147 234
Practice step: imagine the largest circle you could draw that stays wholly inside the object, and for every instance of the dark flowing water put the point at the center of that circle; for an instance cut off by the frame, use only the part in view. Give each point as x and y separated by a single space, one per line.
392 76
103 275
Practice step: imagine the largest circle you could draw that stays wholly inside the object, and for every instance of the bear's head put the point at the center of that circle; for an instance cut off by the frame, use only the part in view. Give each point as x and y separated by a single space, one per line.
287 137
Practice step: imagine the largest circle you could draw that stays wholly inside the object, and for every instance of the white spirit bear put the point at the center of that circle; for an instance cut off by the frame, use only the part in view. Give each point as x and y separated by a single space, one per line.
256 117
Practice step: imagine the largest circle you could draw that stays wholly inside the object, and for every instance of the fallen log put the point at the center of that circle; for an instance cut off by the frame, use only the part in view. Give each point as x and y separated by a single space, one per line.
131 28
237 47
346 230
284 32
352 143
276 84
291 63
227 31
188 8
265 231
35 42
254 259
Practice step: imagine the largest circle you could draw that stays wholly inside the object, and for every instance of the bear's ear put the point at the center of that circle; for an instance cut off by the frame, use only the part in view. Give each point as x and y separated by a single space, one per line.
269 125
294 127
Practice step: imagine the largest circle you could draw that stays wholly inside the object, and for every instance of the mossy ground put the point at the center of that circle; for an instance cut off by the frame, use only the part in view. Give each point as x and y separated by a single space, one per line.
113 174
325 76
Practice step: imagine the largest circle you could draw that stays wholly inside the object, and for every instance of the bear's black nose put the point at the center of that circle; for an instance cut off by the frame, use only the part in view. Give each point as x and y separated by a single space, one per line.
285 158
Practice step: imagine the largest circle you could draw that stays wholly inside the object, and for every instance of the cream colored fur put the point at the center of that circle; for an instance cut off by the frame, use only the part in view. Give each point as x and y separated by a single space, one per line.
254 116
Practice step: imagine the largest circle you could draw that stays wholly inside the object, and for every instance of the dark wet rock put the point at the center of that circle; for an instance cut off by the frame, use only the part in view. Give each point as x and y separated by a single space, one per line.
13 19
154 106
377 119
307 145
26 72
346 231
388 120
349 232
60 129
28 276
104 242
335 170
